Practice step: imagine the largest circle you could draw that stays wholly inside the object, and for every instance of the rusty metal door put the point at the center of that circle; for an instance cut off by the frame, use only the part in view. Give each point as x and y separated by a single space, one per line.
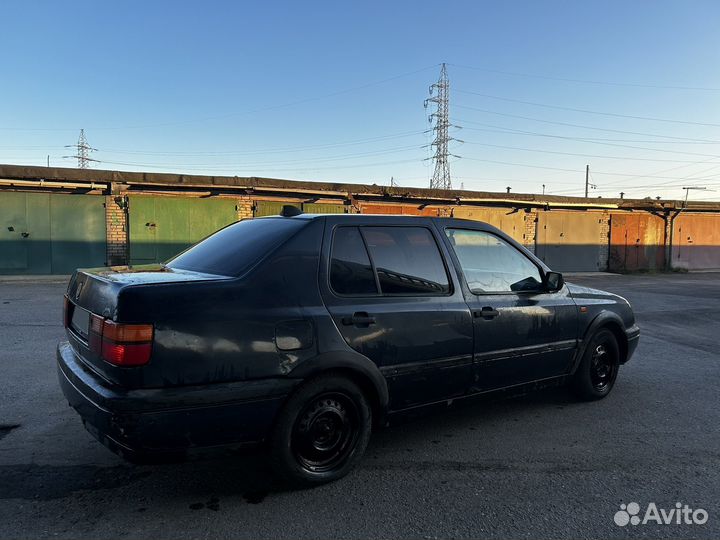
636 242
570 241
696 242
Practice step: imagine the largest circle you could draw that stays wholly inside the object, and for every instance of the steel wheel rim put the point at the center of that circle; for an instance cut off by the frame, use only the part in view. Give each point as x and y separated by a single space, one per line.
326 432
603 367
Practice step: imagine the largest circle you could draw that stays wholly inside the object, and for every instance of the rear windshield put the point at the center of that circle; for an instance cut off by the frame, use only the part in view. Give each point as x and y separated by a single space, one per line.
234 249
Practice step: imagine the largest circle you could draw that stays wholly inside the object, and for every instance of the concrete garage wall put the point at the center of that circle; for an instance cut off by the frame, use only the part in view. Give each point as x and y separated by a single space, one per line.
696 242
53 220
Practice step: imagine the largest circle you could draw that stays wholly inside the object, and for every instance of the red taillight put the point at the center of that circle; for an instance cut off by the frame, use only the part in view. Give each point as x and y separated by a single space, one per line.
126 354
125 345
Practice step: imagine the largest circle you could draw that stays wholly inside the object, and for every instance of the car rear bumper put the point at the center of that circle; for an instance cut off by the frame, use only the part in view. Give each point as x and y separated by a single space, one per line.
134 423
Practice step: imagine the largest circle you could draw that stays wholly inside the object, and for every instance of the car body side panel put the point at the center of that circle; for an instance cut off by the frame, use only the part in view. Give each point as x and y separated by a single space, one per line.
535 334
421 344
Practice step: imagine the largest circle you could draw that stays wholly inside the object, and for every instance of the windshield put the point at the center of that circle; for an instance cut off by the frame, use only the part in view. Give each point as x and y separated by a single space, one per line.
233 250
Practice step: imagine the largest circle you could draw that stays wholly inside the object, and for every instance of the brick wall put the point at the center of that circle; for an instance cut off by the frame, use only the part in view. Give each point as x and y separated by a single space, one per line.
530 230
604 241
116 224
245 208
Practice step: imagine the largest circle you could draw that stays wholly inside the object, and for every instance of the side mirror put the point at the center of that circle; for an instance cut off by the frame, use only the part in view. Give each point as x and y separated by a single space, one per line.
554 281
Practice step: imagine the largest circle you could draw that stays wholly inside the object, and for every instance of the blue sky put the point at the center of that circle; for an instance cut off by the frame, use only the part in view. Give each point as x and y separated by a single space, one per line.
334 91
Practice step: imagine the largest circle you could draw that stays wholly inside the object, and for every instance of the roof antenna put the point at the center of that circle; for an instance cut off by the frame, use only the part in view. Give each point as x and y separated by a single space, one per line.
288 210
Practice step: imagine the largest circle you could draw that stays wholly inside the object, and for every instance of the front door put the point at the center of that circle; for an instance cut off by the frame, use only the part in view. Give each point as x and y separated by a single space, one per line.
522 333
391 296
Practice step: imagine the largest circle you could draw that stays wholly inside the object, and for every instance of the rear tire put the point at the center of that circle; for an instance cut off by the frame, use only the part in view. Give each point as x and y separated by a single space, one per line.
598 369
321 432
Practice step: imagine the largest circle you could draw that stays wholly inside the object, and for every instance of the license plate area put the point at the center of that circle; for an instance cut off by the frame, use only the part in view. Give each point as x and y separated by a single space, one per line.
80 322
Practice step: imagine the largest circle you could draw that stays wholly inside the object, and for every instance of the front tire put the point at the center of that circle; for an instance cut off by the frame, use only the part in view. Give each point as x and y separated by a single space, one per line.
598 369
321 432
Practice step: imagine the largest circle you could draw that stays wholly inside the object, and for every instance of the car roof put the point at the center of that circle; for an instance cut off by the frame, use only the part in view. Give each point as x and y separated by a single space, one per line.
395 218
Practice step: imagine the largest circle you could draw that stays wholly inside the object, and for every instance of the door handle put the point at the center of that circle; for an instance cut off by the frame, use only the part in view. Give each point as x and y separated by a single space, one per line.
360 319
486 313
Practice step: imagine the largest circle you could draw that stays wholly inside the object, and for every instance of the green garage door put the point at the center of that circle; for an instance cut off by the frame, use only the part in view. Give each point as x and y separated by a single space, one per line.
323 208
44 233
161 227
273 208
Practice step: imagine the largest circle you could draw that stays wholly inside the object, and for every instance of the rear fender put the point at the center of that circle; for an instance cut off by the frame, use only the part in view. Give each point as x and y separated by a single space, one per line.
359 367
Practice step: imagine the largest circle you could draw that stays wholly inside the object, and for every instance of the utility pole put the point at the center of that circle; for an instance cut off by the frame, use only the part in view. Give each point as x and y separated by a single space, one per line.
587 179
82 153
687 192
441 175
588 185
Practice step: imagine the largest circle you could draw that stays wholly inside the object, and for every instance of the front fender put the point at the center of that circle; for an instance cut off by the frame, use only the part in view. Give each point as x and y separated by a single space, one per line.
604 318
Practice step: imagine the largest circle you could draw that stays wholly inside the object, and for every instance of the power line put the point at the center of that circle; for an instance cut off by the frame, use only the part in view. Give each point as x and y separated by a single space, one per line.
588 111
565 169
285 162
270 150
592 82
585 155
241 113
234 168
582 126
625 180
514 131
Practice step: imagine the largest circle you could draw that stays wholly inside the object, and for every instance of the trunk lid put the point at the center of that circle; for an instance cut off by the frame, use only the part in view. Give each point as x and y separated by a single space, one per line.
96 291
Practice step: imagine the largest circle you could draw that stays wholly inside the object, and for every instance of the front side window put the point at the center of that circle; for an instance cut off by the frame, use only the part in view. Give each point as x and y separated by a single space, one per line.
491 265
407 260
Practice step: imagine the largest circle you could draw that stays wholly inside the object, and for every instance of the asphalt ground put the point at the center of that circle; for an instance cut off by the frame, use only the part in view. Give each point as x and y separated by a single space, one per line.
537 466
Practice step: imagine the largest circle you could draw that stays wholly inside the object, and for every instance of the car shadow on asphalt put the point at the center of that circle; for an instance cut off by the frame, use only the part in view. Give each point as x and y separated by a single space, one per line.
205 478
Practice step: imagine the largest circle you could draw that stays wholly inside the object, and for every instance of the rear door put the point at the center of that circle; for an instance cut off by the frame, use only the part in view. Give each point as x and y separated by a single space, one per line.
522 333
394 300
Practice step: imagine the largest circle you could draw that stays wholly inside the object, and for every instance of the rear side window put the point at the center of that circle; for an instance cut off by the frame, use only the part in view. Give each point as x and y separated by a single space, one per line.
407 260
234 249
350 268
